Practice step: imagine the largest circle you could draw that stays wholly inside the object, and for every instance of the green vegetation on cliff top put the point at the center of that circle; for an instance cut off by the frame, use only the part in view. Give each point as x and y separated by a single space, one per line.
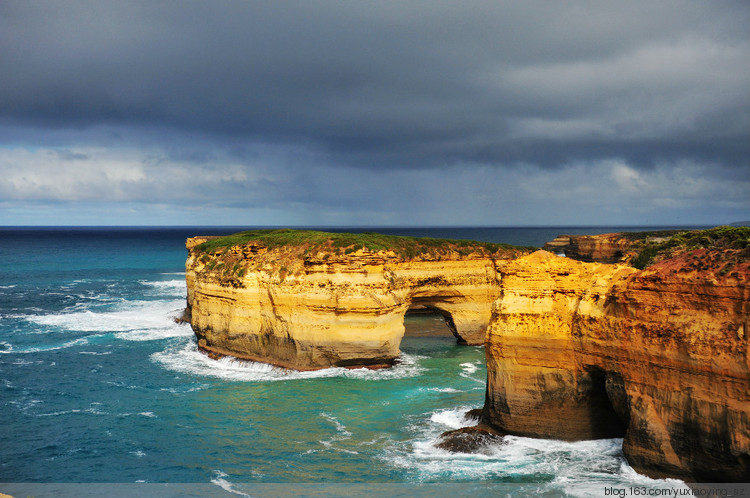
723 237
349 242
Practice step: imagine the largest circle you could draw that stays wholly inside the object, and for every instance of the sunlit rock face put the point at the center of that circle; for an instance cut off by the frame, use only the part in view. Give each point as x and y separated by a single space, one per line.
575 350
607 247
604 248
327 308
659 356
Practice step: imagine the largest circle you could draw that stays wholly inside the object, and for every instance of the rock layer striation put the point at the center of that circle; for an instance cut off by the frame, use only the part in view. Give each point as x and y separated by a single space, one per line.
303 307
660 357
575 350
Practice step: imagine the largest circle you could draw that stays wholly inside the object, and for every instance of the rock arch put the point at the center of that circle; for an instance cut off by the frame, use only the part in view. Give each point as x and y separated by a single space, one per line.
338 313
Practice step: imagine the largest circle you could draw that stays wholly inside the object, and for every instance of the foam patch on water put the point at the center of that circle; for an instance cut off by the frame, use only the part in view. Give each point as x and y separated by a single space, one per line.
128 316
56 346
127 320
93 409
173 330
443 390
132 321
221 481
452 419
170 287
187 359
469 368
340 428
341 435
580 468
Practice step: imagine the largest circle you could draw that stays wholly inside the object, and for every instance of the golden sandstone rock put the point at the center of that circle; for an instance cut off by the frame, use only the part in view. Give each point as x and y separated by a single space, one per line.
307 309
585 350
575 350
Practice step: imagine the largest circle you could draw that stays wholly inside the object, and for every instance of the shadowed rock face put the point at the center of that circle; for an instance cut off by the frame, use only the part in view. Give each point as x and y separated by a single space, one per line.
660 356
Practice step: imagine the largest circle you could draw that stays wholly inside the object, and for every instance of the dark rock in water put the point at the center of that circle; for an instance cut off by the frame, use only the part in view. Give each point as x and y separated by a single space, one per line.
476 414
184 317
474 439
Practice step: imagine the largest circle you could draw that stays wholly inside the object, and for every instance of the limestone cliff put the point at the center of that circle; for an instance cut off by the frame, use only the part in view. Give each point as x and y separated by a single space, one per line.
575 350
660 356
309 300
618 247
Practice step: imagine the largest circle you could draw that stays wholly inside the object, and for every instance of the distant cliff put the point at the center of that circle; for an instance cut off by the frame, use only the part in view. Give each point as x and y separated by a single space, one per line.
618 247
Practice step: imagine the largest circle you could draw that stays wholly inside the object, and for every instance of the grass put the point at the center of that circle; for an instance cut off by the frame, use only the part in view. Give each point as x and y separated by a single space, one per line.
723 237
311 240
635 236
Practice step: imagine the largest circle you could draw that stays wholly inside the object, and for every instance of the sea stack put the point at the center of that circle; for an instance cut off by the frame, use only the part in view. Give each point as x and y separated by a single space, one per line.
309 300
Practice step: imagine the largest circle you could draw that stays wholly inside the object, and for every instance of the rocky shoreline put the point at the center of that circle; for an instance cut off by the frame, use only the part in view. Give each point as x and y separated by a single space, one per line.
575 350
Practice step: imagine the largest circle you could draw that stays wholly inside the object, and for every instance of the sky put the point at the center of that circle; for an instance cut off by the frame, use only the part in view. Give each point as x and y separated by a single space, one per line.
379 113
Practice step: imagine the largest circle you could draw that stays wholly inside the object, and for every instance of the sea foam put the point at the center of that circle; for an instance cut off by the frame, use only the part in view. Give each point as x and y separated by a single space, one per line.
577 468
186 358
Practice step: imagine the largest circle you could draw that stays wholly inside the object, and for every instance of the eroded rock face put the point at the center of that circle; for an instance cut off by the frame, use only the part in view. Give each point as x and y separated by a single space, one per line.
660 356
574 350
604 248
320 310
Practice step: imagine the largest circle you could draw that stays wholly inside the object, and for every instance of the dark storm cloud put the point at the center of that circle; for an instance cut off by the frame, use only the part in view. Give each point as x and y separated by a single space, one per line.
391 84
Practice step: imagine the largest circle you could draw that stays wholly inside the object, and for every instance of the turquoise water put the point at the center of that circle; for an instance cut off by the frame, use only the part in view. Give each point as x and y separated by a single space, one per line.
99 383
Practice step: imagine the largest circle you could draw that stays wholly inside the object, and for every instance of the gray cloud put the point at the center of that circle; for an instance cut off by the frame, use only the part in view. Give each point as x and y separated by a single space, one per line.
297 103
411 84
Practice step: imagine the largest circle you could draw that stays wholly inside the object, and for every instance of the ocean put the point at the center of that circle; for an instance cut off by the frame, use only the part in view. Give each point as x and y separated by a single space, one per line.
100 384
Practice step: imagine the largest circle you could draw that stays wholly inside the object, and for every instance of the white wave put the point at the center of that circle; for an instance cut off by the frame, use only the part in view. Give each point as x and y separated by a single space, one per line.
185 390
173 330
131 320
177 284
639 479
187 359
442 390
55 347
95 353
127 316
138 453
22 362
340 428
221 481
91 410
7 286
6 347
579 468
469 368
453 418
